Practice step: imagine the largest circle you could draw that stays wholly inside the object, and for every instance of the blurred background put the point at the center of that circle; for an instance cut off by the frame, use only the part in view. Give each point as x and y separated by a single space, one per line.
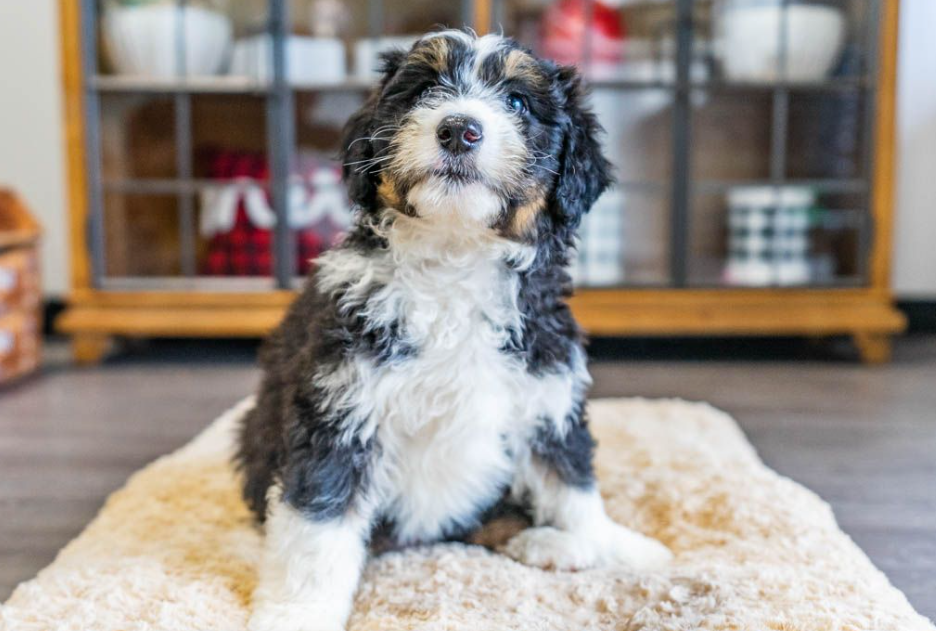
180 157
169 172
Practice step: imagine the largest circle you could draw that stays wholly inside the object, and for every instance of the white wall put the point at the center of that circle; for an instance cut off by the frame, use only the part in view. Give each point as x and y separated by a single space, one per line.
915 241
31 143
32 158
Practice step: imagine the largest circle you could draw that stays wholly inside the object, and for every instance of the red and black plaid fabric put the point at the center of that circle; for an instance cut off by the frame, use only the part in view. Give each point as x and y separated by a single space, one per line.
247 250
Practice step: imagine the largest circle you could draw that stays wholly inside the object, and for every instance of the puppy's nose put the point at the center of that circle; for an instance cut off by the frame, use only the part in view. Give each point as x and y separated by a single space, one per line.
458 134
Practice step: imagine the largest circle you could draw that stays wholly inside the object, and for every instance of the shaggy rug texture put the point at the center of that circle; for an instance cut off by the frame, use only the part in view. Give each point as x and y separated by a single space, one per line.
175 549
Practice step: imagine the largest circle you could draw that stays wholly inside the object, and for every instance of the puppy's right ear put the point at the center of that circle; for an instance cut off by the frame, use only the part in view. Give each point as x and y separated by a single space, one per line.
357 144
390 62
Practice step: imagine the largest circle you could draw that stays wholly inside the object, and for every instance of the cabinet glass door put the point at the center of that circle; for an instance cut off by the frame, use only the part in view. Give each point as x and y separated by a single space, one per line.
781 143
175 127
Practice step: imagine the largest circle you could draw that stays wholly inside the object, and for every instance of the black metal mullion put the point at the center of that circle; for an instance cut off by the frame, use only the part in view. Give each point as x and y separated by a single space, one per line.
780 115
867 227
92 114
375 18
468 13
682 128
182 102
586 34
584 252
183 140
281 143
498 15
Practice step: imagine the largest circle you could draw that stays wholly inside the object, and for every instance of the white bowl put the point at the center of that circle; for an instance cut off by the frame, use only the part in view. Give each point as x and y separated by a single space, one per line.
142 41
748 40
309 60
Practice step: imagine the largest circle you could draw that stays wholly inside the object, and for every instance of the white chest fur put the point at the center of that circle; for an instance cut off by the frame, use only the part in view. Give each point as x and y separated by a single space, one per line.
444 432
452 418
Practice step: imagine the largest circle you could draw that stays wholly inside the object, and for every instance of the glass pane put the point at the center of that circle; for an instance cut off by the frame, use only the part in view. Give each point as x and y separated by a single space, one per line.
396 18
624 240
229 137
707 239
137 137
608 41
332 42
839 234
234 211
141 235
761 236
749 41
638 126
319 211
827 134
151 242
730 135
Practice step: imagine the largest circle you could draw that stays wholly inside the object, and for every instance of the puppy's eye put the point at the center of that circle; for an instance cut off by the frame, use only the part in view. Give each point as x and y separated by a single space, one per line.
516 103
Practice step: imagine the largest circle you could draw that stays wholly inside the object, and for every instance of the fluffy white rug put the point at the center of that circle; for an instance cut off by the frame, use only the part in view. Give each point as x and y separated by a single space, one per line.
175 550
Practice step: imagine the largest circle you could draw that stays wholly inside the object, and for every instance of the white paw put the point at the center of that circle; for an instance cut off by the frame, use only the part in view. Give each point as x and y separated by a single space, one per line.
294 617
613 545
623 546
552 549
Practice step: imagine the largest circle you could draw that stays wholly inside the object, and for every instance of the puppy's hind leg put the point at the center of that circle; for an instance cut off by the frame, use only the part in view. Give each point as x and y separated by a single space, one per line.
309 571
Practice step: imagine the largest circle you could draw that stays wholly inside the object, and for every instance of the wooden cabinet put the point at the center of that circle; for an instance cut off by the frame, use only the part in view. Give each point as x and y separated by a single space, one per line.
754 190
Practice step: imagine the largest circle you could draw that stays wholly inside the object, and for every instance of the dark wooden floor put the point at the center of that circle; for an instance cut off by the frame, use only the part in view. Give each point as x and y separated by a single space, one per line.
863 438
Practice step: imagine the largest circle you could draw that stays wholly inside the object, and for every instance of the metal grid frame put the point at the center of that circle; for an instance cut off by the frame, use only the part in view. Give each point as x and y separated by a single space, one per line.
279 97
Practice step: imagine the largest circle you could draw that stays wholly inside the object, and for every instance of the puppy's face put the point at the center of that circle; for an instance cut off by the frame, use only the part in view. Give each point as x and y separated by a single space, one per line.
476 131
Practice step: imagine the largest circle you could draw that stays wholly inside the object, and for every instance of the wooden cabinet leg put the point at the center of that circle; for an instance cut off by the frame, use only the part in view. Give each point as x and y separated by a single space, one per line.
874 348
89 348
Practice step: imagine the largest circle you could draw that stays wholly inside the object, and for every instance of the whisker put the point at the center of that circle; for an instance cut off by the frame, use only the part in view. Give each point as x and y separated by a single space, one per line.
366 164
347 164
374 137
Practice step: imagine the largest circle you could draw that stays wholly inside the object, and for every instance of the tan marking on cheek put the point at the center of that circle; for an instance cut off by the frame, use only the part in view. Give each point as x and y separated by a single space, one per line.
523 222
387 191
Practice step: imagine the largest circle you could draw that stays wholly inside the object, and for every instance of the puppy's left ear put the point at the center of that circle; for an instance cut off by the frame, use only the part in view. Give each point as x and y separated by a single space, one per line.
584 173
356 150
357 146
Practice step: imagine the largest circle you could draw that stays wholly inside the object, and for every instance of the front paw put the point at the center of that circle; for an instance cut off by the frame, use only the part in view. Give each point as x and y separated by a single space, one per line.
609 546
294 617
623 546
552 549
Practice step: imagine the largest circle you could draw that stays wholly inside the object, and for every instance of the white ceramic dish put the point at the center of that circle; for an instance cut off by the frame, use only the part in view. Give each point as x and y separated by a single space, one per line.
309 60
142 41
748 40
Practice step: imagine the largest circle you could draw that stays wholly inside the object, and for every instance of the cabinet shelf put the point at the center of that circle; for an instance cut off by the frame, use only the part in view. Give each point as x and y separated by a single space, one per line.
218 84
819 185
838 84
231 84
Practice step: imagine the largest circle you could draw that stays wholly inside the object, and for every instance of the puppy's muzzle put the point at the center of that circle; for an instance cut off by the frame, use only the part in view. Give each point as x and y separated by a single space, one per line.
459 134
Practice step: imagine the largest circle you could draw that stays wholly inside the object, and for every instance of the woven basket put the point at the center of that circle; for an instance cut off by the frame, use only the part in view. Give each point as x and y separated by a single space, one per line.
20 289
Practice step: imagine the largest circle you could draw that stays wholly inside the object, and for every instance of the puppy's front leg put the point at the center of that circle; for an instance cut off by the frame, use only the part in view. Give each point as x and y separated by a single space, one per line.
572 530
309 571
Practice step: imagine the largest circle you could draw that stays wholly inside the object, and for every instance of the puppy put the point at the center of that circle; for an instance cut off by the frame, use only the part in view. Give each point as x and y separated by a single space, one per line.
431 374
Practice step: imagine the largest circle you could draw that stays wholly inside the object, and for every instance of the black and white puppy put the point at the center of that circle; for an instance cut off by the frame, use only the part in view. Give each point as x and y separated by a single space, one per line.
431 371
